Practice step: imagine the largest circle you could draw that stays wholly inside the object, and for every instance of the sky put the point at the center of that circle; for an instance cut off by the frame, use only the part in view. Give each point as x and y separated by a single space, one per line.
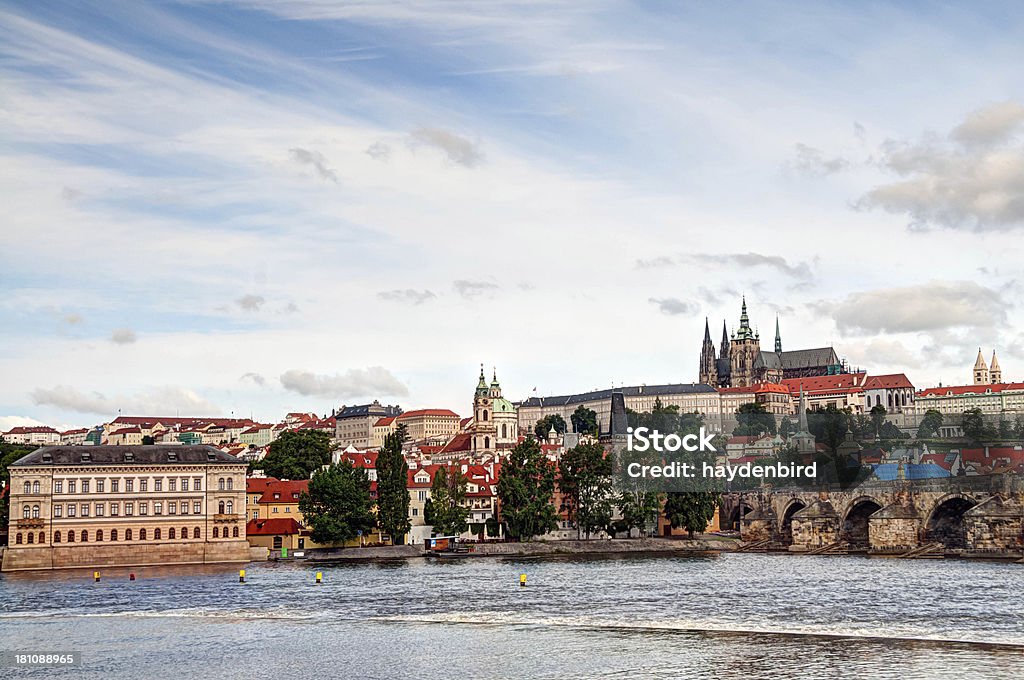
251 207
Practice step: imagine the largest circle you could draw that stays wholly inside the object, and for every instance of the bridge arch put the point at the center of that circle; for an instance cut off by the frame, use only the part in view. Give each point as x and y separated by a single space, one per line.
793 506
945 523
738 511
855 521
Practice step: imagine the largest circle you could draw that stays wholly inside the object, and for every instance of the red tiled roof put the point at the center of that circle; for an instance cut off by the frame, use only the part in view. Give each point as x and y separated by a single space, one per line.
431 470
460 442
364 459
78 431
279 526
286 490
844 382
890 381
384 422
258 484
429 412
969 389
32 429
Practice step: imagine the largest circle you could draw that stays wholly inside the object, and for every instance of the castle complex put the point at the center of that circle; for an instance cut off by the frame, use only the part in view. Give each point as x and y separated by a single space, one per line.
741 362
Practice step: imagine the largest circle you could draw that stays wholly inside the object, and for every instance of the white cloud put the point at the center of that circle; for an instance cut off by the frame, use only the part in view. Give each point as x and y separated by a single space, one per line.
458 149
160 401
973 180
251 303
673 306
408 295
353 383
123 336
316 160
933 306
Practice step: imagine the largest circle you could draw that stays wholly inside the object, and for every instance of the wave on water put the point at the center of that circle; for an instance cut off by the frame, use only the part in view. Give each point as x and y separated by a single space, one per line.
714 627
223 615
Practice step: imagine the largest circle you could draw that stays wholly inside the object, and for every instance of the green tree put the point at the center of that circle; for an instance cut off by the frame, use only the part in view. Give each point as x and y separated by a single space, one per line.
930 424
148 440
829 426
878 414
8 454
786 427
639 508
691 510
1005 429
752 420
585 480
890 431
448 494
392 491
297 454
337 507
526 490
584 420
543 426
1018 427
973 425
429 516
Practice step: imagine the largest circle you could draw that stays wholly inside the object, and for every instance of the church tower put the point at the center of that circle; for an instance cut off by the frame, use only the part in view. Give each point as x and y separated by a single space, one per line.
778 335
981 374
708 364
995 374
744 352
484 434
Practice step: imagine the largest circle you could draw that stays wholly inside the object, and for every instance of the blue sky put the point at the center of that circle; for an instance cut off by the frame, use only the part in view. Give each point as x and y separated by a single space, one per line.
257 207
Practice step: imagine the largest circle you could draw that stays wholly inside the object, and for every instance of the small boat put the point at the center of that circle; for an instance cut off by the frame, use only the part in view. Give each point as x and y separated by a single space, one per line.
446 547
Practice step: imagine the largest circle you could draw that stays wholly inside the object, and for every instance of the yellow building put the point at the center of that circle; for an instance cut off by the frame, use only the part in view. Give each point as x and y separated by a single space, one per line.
95 506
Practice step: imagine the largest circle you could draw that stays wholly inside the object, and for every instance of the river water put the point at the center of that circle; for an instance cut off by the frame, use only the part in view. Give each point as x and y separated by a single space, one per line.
729 615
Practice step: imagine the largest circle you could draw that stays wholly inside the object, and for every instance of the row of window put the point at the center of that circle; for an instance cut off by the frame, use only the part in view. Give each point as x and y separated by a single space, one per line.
73 485
83 535
100 509
173 484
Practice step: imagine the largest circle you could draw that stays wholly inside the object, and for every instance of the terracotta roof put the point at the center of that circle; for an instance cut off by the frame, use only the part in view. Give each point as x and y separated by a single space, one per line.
429 412
844 382
32 429
460 442
287 491
969 389
258 484
891 381
279 526
431 470
384 422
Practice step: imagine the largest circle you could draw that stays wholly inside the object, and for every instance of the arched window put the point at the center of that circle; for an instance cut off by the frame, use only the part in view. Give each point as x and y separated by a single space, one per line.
142 534
127 534
216 532
26 511
231 483
184 532
487 442
485 415
170 533
42 537
195 533
35 487
220 484
28 488
504 432
234 531
71 536
35 512
113 534
85 536
56 537
17 539
156 534
231 507
31 538
99 535
220 508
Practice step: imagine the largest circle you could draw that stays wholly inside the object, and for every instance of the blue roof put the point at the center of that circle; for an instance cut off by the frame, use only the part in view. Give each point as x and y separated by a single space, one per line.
888 472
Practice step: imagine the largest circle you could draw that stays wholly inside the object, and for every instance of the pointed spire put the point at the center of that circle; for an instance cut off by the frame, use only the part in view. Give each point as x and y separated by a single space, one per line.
494 381
778 335
481 385
994 366
707 331
980 362
745 332
724 350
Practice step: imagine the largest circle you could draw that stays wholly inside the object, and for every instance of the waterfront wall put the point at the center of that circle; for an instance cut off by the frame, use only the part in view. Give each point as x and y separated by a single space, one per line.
24 558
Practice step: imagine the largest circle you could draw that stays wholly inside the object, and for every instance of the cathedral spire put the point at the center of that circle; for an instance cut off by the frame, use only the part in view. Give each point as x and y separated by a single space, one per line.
778 335
724 349
744 333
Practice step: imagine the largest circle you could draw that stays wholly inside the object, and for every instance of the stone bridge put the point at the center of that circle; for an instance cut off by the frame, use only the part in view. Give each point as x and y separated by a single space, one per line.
963 514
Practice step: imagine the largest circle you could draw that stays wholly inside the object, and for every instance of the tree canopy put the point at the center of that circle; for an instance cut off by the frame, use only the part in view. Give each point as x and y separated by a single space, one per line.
337 507
585 480
297 454
543 426
526 489
447 498
584 420
392 489
752 420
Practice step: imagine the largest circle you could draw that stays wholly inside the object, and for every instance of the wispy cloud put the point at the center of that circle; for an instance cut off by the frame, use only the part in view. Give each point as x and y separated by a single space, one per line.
472 289
160 401
356 382
456 148
250 303
674 306
316 160
408 295
123 336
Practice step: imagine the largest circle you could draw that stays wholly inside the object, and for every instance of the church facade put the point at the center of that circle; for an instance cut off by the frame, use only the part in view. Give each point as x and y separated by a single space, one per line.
740 361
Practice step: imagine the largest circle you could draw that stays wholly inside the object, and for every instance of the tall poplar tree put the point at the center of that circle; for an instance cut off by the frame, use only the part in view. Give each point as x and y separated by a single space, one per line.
526 488
392 490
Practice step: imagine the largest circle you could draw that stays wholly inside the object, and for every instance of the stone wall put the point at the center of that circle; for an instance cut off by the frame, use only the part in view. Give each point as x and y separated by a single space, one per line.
893 533
124 555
